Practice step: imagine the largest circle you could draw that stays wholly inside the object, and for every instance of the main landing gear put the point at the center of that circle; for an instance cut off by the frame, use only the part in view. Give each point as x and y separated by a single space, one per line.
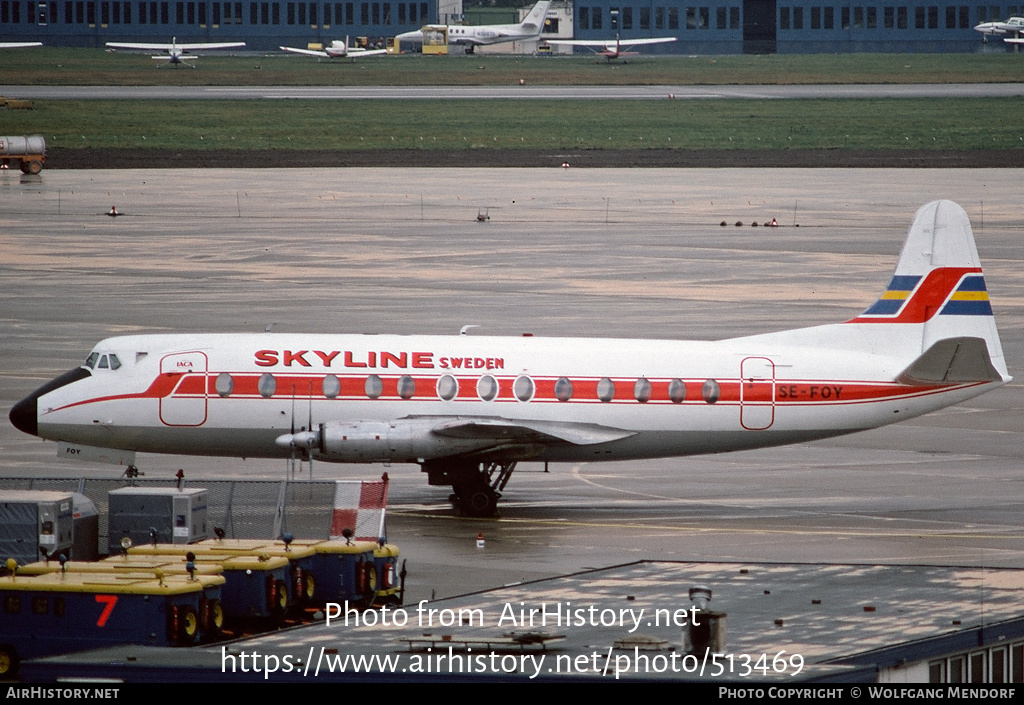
476 487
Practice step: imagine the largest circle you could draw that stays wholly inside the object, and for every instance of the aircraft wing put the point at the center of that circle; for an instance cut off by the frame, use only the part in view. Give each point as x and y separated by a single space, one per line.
1014 40
141 47
306 52
583 42
173 47
19 45
356 51
219 45
529 431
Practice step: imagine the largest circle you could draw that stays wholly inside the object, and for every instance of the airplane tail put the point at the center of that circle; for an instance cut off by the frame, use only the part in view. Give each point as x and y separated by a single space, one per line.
534 22
937 296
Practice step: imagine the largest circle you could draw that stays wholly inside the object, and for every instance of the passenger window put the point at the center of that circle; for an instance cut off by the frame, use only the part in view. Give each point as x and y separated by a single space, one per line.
374 387
447 387
523 388
225 384
406 387
605 389
563 389
487 388
677 391
711 391
331 386
642 390
266 385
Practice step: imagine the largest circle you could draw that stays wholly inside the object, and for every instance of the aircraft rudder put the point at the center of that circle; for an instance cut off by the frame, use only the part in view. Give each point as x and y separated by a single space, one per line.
938 283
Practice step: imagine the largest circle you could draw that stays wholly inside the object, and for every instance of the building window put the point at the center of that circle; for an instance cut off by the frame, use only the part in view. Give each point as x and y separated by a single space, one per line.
933 17
872 21
845 18
798 18
902 21
597 19
705 18
783 18
673 18
584 17
919 17
722 17
830 18
645 18
858 18
734 18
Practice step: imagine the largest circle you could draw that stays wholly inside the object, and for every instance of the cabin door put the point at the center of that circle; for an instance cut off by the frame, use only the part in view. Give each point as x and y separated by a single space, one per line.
757 393
186 404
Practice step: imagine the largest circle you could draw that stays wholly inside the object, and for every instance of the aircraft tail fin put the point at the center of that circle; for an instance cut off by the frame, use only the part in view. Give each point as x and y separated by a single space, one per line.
939 287
534 21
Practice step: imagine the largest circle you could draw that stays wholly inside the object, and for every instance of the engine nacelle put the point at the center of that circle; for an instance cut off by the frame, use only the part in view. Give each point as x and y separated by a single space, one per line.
398 441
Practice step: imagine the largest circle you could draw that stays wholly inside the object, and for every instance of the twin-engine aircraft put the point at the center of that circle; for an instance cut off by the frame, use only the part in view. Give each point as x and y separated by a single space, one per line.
613 49
472 36
467 409
337 50
175 53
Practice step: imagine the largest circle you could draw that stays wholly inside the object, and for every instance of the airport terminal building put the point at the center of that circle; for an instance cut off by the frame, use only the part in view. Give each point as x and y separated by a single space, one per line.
709 27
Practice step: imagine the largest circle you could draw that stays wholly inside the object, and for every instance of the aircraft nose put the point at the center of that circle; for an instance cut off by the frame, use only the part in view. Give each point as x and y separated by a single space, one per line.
23 415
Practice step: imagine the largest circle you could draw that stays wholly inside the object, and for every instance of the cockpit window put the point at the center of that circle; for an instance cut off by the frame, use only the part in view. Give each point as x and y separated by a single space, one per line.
103 363
90 361
114 362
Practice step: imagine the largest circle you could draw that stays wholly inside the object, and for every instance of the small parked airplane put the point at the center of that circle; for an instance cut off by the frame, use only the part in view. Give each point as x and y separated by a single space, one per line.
612 49
337 50
175 53
467 409
473 36
1014 24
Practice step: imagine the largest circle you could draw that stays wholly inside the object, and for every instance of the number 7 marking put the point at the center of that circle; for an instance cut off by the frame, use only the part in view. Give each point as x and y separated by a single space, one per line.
109 601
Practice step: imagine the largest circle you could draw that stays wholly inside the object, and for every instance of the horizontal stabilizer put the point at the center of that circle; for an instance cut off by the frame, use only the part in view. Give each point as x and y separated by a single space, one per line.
530 431
952 361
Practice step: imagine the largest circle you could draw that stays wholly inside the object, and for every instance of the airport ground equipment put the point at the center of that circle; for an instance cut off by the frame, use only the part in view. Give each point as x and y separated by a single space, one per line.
35 524
156 515
64 611
29 152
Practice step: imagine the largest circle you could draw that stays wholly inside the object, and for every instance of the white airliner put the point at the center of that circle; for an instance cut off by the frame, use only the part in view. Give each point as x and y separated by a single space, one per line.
612 49
467 409
175 53
473 36
337 50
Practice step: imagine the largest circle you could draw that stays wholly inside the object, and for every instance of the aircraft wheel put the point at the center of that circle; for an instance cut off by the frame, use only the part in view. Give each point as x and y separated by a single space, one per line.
469 49
8 662
34 167
479 501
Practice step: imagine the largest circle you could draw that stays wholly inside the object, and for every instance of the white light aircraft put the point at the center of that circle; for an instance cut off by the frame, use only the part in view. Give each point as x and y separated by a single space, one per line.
1014 24
337 50
612 49
473 36
175 53
467 409
19 45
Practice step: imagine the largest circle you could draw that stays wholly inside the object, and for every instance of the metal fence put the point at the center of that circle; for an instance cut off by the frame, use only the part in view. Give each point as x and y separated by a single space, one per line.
245 509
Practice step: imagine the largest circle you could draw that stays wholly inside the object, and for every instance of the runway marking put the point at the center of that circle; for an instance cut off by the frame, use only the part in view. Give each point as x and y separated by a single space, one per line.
718 530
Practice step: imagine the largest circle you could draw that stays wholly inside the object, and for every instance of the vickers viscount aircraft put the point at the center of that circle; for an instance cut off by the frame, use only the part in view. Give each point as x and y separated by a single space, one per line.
613 49
175 53
337 50
472 36
467 409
